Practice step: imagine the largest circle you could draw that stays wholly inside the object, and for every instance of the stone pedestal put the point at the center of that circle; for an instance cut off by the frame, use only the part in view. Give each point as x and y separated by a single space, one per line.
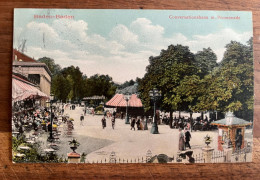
73 157
228 153
207 152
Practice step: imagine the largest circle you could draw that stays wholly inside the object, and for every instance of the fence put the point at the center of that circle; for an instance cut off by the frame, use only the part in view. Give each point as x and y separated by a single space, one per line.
242 155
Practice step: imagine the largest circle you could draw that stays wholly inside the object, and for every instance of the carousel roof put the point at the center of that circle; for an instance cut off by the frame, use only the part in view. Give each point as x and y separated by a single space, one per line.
119 101
230 120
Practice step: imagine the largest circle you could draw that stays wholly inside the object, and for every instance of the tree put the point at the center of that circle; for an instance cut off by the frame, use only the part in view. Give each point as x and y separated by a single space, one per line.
166 72
100 85
60 87
190 90
230 86
75 78
237 66
54 68
206 61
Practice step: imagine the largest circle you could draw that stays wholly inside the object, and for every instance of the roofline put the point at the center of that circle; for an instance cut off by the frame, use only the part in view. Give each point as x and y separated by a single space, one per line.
248 124
35 64
24 55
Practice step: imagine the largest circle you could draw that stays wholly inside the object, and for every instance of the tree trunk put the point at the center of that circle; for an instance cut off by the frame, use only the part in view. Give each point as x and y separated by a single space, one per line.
171 119
202 114
179 114
191 121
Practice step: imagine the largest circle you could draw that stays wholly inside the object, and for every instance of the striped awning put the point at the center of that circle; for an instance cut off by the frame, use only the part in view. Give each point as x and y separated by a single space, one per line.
22 90
119 101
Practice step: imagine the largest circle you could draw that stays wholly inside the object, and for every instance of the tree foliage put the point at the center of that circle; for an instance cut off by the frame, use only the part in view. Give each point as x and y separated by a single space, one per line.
196 82
54 68
71 84
100 85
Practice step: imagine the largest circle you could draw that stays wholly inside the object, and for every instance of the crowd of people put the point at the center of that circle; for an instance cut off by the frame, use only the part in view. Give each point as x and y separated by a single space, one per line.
38 118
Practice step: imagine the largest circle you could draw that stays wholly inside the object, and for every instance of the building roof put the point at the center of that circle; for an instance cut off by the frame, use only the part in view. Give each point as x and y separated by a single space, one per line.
19 56
231 120
32 64
94 98
128 90
119 101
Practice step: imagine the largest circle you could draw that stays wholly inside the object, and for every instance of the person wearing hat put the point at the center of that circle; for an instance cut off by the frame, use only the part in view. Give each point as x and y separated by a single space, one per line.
103 120
187 138
113 121
133 124
181 140
81 119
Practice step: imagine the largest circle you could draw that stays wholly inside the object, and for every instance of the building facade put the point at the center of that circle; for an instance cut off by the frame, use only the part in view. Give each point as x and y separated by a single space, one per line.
36 72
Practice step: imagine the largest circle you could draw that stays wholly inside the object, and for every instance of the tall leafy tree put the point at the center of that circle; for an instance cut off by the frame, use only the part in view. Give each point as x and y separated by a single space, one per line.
230 86
54 68
75 77
100 85
60 87
237 67
206 61
165 72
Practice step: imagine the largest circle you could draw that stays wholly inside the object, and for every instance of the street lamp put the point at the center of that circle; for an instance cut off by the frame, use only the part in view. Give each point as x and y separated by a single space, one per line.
50 138
127 97
155 96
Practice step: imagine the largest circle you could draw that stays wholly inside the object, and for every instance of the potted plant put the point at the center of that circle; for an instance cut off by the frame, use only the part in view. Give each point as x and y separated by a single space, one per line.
74 144
207 140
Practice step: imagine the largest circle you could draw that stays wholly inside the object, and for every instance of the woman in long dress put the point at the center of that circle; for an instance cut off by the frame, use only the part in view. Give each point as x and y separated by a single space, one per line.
181 140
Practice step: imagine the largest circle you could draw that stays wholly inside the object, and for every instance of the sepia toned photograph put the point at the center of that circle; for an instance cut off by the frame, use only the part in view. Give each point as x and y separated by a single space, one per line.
132 86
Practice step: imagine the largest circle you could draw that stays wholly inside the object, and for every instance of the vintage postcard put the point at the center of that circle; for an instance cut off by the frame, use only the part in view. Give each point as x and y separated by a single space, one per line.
132 86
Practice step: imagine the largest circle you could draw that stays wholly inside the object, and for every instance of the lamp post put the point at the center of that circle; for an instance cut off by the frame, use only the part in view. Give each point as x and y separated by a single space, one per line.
127 97
155 96
50 138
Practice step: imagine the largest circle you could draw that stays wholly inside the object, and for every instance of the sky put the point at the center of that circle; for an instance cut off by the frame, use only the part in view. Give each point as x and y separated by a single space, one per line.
120 42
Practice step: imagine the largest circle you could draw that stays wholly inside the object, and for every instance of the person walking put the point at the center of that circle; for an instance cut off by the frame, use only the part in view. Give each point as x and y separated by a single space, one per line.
103 120
81 120
133 124
181 140
93 112
85 112
187 138
114 114
113 121
138 124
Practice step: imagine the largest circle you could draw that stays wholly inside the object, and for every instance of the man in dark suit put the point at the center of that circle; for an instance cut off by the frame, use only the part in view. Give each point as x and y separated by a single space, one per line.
239 139
187 139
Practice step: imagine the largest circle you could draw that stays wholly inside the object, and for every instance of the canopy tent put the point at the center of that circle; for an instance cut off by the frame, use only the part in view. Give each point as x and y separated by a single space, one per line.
119 101
22 89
